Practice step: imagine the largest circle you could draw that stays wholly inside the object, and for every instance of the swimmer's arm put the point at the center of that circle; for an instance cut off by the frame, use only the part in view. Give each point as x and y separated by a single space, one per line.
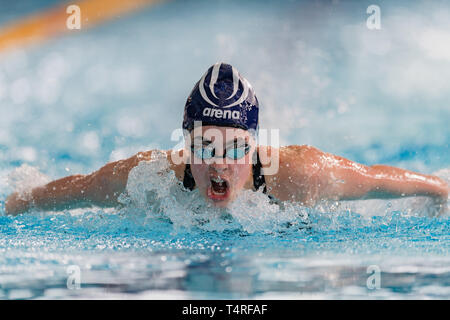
100 188
65 193
307 175
392 182
347 180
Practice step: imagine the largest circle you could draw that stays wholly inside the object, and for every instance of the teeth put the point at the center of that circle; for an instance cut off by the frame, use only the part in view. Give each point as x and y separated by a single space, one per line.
220 183
219 193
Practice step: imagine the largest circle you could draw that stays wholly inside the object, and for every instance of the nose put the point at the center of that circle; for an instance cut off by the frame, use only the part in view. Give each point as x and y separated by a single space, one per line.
219 152
218 161
218 167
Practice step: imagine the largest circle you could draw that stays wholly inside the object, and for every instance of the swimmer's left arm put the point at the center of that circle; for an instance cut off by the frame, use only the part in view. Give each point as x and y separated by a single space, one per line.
307 174
343 179
397 182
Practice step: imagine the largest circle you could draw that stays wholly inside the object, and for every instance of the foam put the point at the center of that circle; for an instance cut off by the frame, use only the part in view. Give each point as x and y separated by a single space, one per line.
24 178
153 189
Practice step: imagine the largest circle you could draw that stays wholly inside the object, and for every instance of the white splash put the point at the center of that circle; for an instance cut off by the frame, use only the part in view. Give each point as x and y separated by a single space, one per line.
153 188
24 178
411 206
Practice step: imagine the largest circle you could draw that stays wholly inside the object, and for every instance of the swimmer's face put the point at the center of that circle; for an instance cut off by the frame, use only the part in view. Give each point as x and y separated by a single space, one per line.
221 162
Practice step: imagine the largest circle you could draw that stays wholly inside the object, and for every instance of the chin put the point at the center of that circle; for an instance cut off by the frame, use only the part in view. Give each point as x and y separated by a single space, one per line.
221 204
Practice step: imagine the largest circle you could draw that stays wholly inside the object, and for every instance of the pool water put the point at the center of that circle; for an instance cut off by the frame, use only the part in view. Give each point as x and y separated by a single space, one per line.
74 103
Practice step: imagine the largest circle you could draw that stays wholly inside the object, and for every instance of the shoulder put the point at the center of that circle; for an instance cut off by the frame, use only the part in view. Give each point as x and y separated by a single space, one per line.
292 150
304 157
176 159
293 158
302 150
297 169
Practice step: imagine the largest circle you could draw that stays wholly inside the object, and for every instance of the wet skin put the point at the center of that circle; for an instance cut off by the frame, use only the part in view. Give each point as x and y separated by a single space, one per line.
304 174
220 179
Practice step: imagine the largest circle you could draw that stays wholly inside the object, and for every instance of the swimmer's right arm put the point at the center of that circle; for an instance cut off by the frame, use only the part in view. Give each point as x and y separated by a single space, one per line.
100 188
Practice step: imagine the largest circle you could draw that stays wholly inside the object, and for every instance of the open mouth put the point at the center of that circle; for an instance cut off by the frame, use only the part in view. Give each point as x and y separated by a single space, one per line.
219 189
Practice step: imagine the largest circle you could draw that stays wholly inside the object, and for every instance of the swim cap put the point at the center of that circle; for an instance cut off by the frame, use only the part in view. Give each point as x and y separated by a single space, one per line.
222 97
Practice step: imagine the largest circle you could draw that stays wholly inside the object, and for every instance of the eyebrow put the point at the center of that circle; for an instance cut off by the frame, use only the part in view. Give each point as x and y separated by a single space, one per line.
197 140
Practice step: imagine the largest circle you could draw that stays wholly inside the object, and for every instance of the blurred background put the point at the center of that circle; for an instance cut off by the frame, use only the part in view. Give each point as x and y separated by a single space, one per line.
72 101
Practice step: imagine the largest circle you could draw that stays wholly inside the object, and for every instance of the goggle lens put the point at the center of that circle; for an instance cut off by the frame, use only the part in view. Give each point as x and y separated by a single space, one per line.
207 152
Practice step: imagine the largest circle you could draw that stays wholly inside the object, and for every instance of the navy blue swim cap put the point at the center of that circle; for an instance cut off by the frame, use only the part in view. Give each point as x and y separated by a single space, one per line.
222 97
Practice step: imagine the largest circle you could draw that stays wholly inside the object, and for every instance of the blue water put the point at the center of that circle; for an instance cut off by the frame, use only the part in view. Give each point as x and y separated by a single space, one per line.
77 102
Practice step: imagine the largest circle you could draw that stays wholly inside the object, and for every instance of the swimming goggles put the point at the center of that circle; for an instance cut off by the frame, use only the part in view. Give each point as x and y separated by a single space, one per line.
208 151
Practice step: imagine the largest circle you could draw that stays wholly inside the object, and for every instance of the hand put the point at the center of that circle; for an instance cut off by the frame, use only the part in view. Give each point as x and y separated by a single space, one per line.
15 204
